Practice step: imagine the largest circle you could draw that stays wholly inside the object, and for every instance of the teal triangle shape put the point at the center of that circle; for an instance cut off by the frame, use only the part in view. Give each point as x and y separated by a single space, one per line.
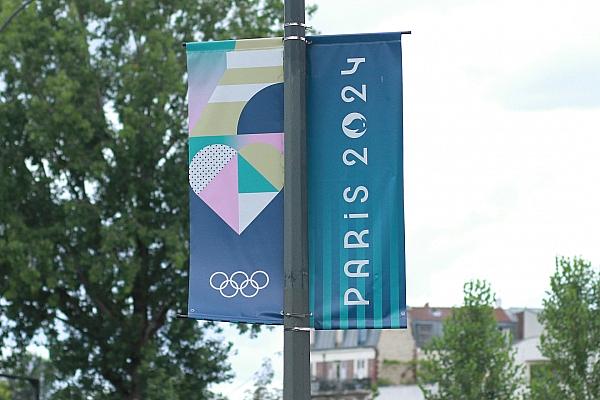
250 180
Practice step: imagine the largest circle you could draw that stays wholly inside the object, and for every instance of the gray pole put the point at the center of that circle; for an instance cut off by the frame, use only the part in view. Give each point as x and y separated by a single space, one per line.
296 336
35 383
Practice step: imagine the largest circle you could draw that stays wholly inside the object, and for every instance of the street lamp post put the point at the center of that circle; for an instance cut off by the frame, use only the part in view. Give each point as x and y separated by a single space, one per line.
35 383
296 369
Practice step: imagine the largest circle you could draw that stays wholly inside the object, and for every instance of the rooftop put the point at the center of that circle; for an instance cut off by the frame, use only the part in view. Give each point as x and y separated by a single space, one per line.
353 338
428 313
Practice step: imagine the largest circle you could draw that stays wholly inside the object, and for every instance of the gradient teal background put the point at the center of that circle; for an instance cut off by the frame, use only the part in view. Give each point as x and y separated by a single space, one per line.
328 176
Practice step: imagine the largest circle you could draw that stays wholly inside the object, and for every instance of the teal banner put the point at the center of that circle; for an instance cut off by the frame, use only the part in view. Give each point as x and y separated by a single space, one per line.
355 182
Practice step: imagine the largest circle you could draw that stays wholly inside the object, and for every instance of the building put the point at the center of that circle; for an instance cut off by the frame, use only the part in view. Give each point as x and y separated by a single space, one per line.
343 364
397 355
347 364
399 351
527 320
527 339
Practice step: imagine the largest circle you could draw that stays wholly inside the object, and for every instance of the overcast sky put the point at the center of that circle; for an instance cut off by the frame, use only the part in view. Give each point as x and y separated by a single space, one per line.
502 146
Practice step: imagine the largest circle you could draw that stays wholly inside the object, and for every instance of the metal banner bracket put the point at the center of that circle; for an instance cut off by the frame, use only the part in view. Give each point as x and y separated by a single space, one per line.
298 329
301 24
296 315
296 37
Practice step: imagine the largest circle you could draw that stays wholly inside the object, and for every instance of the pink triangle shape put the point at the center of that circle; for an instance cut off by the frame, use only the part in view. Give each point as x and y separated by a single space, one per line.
221 194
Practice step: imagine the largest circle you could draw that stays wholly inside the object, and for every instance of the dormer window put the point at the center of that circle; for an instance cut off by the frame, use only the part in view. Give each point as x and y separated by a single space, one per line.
362 337
424 333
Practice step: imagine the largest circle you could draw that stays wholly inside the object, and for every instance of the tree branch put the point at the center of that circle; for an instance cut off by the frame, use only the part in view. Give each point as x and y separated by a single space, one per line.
99 303
14 14
156 323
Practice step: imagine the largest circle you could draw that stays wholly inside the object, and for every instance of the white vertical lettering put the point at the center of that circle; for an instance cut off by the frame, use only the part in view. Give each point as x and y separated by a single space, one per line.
355 216
360 244
356 62
360 300
354 196
359 266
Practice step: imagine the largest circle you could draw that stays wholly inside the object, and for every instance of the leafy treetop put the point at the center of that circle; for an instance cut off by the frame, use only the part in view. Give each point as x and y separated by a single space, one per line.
93 190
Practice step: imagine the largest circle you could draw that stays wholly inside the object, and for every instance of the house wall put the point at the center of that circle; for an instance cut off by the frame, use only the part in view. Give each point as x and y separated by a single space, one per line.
532 326
528 354
321 369
373 370
327 362
395 356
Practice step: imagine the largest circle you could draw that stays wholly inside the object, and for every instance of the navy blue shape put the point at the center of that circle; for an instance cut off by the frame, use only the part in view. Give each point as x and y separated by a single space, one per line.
214 246
264 112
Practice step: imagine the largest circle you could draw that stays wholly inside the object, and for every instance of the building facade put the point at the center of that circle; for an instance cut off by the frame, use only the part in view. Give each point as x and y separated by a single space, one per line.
348 364
343 364
527 340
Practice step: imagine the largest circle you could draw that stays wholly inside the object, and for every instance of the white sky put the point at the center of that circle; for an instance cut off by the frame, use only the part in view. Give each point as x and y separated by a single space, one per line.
502 146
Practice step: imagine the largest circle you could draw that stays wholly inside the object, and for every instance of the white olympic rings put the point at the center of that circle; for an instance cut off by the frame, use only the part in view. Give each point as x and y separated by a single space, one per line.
238 281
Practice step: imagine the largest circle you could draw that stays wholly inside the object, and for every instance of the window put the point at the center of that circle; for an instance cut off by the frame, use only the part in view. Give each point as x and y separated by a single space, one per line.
360 369
424 332
332 371
362 337
343 370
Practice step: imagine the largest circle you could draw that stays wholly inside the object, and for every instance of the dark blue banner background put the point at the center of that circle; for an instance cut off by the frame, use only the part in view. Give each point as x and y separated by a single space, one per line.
259 248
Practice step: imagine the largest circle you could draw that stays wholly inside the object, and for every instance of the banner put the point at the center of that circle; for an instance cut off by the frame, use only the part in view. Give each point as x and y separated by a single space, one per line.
355 180
235 91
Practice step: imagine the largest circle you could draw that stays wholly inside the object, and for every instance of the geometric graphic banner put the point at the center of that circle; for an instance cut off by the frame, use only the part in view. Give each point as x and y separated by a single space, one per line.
235 94
355 182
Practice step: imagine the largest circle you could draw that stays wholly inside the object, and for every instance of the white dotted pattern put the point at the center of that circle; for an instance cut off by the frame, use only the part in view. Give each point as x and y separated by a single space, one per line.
207 164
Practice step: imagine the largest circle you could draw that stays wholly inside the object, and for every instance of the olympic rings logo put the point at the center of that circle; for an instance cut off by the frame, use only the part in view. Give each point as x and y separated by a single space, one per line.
239 282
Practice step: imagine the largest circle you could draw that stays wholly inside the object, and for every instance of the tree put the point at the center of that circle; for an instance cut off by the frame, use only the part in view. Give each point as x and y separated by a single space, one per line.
263 379
4 391
571 337
93 190
472 360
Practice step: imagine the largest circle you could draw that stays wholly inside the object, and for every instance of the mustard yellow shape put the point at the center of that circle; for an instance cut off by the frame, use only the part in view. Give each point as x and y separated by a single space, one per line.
267 160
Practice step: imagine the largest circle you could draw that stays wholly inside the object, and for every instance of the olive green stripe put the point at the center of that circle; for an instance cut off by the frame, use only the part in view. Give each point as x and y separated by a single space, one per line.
241 76
219 119
260 43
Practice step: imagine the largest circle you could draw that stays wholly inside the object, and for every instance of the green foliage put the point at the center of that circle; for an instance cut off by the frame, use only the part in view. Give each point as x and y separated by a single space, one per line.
473 360
93 190
5 393
262 384
374 390
571 338
384 382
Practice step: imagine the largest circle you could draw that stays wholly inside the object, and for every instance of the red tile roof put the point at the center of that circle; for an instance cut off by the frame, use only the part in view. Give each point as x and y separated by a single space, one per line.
441 313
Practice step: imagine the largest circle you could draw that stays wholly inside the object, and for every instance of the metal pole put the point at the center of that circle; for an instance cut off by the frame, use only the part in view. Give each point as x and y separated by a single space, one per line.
296 336
36 388
35 383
